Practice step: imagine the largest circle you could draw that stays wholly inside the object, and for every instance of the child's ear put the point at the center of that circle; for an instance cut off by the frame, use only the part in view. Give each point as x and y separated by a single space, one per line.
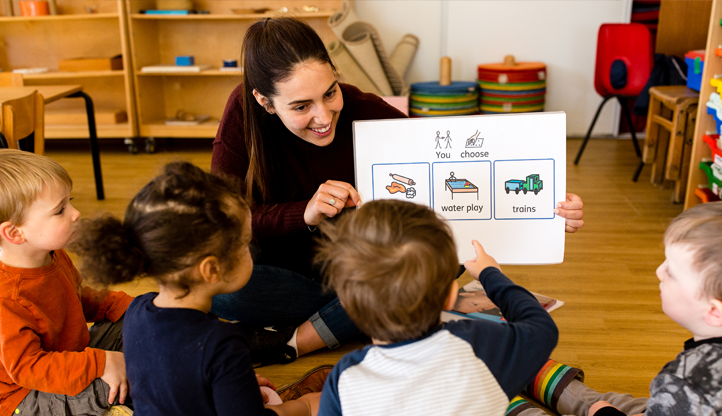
209 269
451 297
713 317
10 233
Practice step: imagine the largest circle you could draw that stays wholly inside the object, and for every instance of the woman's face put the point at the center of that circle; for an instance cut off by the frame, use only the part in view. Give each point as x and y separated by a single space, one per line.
308 102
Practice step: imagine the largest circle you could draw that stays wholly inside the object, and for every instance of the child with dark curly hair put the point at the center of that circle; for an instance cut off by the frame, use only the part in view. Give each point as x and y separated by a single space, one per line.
190 231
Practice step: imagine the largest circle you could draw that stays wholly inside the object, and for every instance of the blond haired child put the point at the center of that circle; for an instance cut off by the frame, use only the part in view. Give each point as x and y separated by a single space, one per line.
690 285
49 362
190 231
393 265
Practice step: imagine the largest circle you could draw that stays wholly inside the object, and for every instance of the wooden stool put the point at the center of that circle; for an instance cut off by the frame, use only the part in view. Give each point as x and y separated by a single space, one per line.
668 149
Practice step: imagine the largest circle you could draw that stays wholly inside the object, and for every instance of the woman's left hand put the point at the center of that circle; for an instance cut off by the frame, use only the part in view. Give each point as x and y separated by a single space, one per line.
571 209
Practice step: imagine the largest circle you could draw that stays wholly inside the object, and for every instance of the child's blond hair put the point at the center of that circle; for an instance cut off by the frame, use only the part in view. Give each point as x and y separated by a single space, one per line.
23 175
700 228
392 264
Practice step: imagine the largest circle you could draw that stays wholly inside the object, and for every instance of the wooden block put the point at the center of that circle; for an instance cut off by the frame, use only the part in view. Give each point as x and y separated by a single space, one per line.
91 64
81 117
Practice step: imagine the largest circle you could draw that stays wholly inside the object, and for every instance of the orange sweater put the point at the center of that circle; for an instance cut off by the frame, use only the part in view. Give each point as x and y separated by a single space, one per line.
43 332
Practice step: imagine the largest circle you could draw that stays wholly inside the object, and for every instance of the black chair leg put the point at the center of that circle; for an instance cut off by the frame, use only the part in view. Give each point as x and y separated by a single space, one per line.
628 116
94 148
638 171
589 132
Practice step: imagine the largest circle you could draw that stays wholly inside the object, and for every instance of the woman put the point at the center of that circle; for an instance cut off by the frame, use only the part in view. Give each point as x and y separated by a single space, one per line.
286 131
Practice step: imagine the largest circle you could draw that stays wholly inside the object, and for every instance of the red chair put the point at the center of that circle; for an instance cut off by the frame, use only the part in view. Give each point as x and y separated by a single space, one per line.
624 62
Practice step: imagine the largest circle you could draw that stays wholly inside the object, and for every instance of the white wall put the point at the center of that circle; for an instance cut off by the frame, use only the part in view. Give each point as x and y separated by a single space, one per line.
561 33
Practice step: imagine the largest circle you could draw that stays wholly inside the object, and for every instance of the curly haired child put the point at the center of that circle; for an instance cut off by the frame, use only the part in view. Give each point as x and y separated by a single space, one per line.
190 231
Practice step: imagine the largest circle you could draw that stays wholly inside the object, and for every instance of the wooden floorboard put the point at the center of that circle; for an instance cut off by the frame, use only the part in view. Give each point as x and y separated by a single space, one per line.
611 325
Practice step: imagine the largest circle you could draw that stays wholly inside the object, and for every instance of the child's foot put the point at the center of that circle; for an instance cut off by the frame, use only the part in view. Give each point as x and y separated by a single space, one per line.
311 382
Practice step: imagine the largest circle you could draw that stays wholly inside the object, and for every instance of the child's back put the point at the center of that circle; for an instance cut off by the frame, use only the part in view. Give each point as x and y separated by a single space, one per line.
393 265
190 231
204 362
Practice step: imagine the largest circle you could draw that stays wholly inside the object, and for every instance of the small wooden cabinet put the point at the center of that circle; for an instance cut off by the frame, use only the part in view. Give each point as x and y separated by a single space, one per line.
81 29
211 37
705 122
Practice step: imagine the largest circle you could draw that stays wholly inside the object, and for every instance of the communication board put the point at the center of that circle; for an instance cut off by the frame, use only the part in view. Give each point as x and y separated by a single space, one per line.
494 178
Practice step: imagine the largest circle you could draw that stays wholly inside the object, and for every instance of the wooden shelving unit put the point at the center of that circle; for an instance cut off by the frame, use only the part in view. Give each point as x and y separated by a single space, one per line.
82 28
210 38
705 122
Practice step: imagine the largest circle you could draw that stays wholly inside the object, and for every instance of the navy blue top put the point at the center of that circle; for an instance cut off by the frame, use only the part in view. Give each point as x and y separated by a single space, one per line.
464 367
186 362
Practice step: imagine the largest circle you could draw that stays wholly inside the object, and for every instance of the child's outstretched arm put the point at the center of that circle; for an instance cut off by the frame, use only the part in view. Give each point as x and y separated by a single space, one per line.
115 376
514 351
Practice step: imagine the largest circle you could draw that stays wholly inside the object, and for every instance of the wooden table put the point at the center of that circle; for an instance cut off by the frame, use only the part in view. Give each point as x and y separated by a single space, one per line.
51 93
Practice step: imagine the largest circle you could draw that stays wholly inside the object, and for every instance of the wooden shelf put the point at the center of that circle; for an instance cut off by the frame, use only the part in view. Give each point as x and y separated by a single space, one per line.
210 39
78 74
254 16
705 122
43 41
159 129
59 18
208 72
78 131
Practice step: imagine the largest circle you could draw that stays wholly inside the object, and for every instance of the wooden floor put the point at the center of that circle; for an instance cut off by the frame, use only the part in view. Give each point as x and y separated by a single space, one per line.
611 325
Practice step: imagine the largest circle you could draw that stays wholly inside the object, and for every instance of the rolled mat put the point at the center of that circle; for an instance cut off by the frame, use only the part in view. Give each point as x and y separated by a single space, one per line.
339 21
364 44
349 70
403 53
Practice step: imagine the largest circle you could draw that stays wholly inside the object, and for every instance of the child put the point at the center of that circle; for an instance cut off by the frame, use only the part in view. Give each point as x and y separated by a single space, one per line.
190 231
691 291
50 363
393 265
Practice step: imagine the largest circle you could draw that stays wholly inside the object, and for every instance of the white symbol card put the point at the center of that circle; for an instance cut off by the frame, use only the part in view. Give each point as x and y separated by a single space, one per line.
495 178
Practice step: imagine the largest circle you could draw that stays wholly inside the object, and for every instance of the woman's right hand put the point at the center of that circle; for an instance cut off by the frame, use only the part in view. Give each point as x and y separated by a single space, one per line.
329 200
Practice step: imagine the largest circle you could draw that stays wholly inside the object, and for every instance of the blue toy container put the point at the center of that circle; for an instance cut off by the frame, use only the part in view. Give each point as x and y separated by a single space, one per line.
695 65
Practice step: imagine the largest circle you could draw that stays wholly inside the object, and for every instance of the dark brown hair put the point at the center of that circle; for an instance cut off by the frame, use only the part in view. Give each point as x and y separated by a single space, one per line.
271 50
178 218
700 228
392 264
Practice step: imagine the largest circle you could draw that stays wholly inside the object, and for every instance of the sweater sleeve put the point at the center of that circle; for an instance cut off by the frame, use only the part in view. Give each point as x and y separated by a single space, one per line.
101 305
522 345
29 366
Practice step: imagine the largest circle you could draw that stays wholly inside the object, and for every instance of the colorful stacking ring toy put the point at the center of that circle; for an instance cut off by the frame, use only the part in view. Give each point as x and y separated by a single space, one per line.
444 98
512 87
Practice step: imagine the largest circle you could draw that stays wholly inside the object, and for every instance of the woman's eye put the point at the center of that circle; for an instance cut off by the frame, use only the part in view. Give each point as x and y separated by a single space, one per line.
331 93
300 108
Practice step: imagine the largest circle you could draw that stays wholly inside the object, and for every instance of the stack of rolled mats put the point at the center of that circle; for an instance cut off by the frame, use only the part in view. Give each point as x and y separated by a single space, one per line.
512 87
431 99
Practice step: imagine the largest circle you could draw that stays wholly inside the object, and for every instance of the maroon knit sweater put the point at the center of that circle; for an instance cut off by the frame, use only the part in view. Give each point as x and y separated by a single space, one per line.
281 236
